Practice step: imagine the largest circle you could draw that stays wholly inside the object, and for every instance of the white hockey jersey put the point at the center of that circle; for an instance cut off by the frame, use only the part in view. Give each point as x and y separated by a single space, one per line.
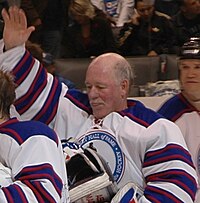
186 116
33 153
138 144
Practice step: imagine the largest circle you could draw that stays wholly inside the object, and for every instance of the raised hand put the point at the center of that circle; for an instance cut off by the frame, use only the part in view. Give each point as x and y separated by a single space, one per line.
15 30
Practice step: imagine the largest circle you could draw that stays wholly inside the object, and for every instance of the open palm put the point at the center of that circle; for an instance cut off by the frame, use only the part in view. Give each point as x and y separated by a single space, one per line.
15 30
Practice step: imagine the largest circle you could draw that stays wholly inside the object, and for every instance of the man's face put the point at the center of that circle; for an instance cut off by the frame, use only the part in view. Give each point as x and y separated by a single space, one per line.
192 7
190 77
145 10
104 91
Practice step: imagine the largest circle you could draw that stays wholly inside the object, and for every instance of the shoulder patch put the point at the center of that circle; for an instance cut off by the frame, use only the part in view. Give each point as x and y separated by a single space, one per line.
107 146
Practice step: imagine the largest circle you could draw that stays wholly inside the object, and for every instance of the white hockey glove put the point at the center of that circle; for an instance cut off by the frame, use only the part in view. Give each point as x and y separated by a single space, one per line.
89 178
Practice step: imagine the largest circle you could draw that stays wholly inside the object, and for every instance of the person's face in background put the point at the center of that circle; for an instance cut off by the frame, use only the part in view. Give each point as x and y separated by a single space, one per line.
145 10
190 78
191 7
80 19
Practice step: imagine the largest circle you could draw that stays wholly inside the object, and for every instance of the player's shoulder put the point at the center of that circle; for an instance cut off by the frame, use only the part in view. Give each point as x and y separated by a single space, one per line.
139 113
23 130
175 107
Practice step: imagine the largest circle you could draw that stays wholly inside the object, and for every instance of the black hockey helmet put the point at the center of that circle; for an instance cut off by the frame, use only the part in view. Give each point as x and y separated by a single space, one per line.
190 49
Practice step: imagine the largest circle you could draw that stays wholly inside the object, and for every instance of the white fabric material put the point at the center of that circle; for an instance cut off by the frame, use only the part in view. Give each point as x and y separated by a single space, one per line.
123 191
94 187
192 129
125 10
5 176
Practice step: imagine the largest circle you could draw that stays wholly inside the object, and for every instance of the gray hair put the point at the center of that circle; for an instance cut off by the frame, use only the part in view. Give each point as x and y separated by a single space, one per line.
120 66
124 71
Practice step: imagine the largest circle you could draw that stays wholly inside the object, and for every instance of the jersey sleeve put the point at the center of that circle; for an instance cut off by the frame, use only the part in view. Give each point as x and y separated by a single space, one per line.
160 153
40 96
37 92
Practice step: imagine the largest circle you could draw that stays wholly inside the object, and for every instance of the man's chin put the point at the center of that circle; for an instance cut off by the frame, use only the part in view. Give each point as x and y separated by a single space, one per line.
99 114
192 94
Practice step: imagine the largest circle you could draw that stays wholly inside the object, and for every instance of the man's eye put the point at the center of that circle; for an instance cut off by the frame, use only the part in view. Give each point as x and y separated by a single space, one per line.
184 67
88 87
101 87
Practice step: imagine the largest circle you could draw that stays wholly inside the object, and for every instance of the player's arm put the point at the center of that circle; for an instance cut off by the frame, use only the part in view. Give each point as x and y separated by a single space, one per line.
168 168
37 92
161 161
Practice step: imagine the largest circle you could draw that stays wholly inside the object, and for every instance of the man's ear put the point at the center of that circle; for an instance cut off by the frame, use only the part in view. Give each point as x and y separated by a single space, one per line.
125 87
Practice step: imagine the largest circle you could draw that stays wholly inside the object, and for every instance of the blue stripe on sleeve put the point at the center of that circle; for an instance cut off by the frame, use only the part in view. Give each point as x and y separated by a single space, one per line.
14 194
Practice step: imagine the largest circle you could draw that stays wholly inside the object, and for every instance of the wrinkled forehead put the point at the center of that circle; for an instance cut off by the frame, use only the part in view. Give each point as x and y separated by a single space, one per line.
189 63
101 69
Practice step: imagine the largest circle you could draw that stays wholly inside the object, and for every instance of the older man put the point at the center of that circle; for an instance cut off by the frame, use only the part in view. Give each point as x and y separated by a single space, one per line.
138 144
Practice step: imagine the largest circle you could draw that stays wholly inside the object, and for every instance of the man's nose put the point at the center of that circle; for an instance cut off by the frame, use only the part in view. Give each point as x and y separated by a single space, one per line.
93 92
191 72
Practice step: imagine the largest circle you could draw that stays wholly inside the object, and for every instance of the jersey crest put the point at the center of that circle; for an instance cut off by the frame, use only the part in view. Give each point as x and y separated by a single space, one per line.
107 146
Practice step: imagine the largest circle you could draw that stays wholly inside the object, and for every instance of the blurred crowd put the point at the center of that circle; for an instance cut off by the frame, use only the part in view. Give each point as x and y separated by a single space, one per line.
88 28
